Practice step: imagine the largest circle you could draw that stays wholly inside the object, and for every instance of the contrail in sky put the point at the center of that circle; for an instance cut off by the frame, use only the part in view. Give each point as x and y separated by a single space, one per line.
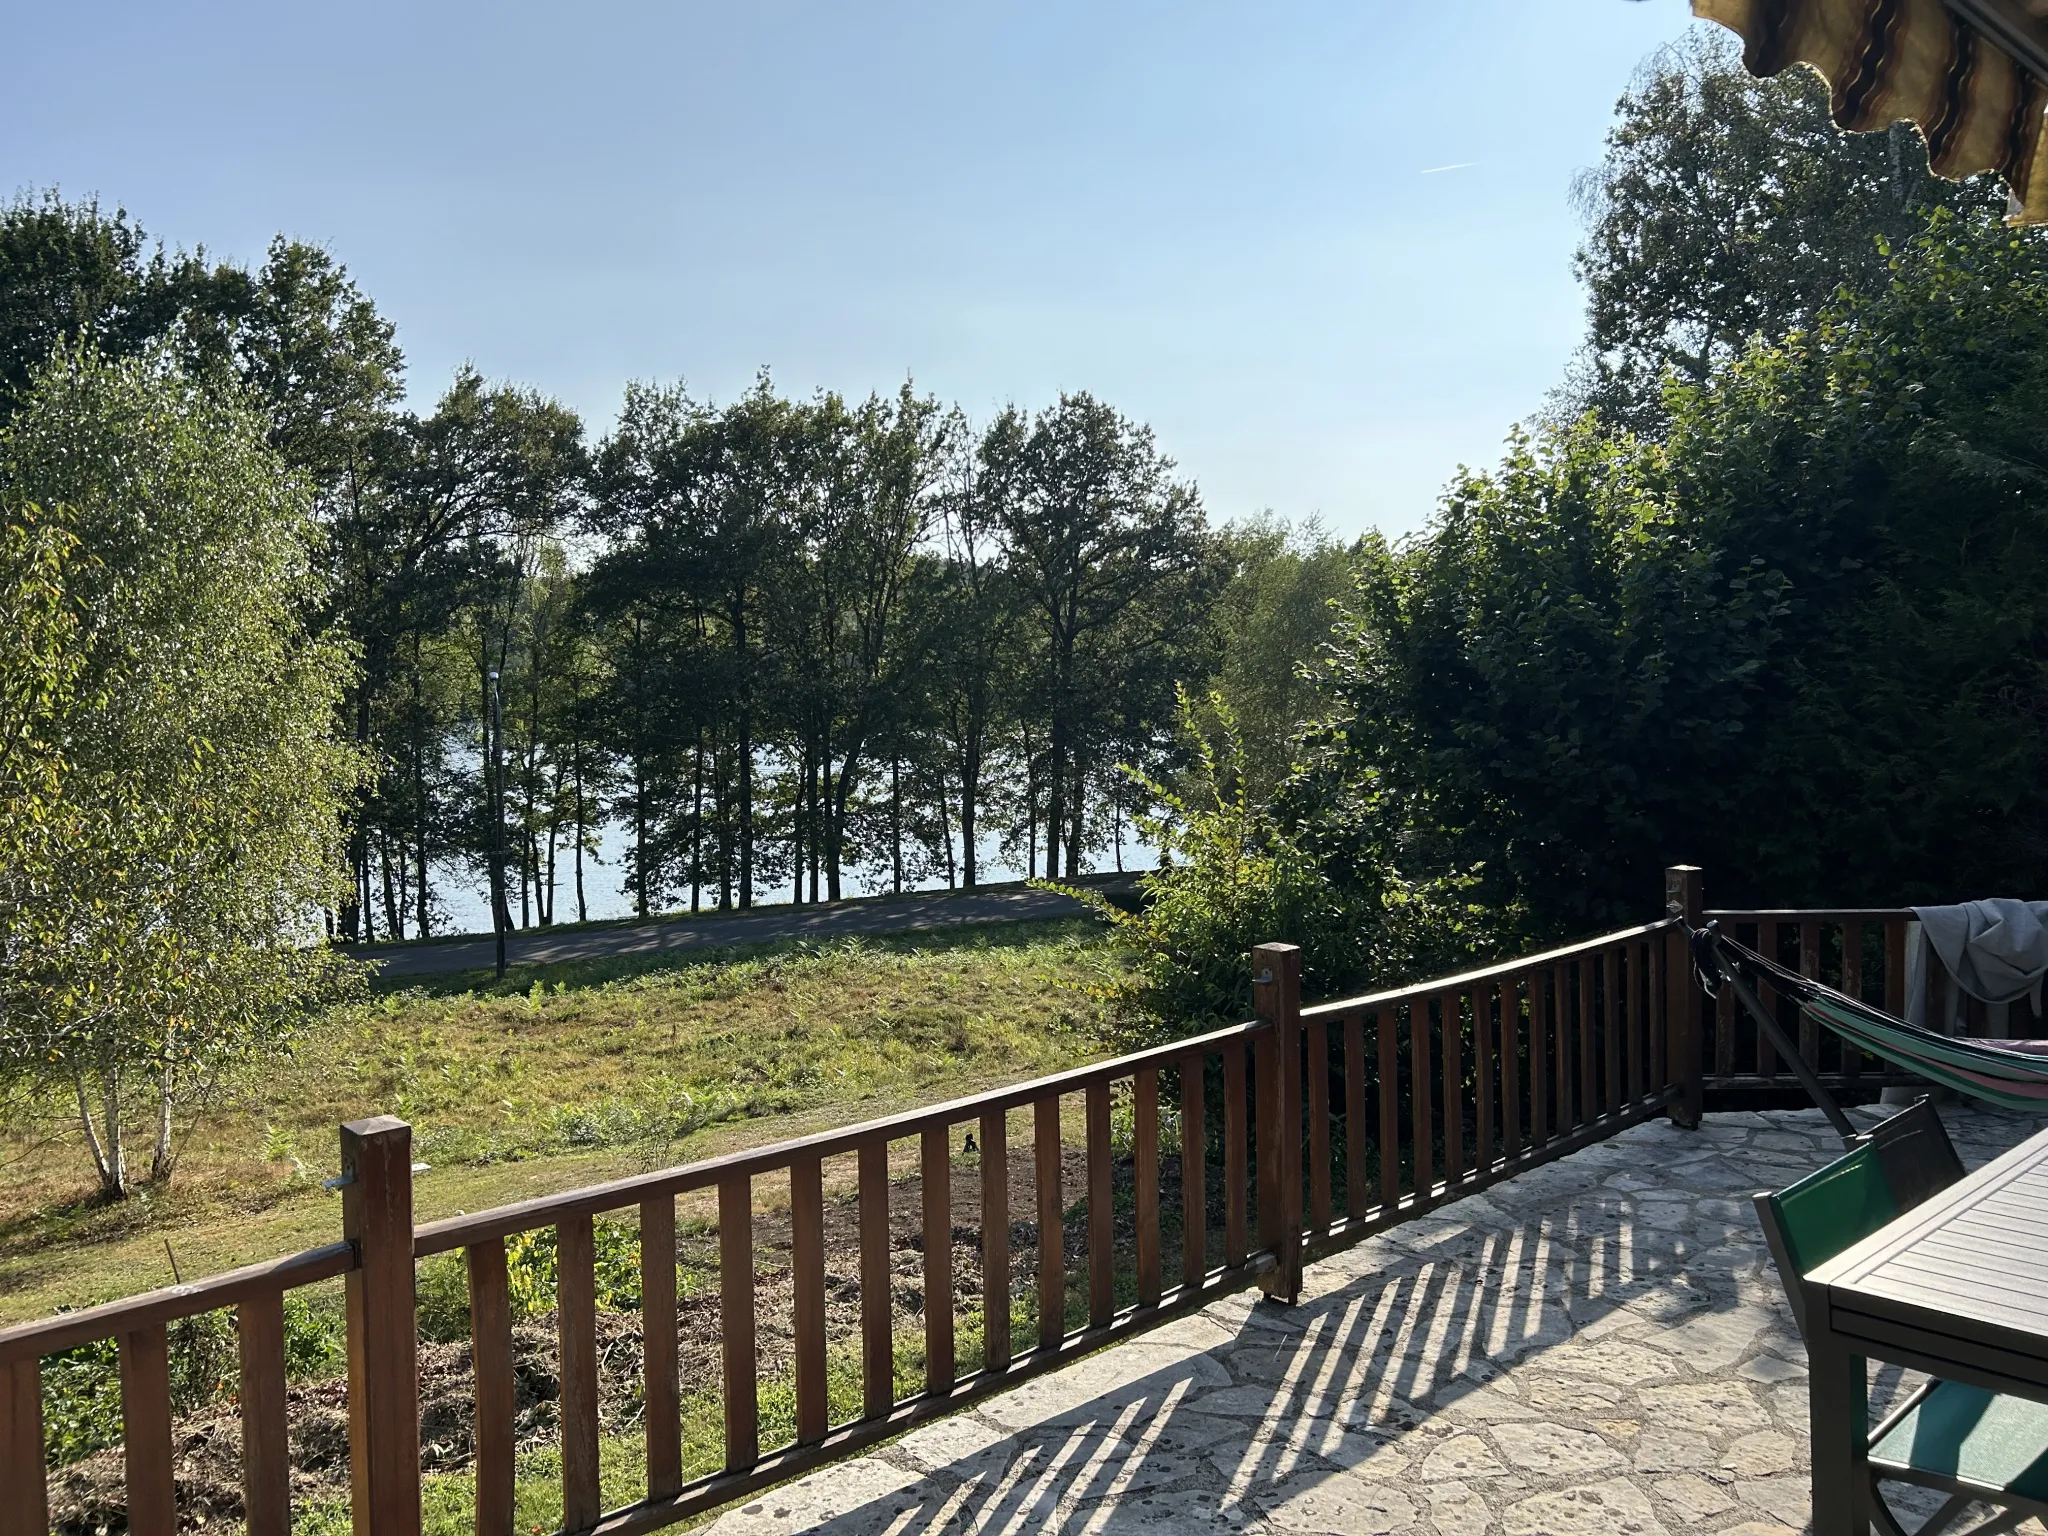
1462 165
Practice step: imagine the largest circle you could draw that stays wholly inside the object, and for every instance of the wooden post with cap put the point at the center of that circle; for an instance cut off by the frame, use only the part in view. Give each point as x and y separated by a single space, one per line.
1684 897
1276 999
383 1349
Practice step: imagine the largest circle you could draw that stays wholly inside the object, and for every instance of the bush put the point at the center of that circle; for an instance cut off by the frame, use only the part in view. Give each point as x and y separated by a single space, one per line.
1229 878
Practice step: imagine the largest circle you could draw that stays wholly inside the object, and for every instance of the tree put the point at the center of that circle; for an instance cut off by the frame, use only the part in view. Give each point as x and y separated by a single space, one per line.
1107 552
69 272
1795 639
195 785
1726 208
1274 615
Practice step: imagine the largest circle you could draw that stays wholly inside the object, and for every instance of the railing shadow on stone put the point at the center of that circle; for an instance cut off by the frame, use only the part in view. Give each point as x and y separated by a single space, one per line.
1322 1126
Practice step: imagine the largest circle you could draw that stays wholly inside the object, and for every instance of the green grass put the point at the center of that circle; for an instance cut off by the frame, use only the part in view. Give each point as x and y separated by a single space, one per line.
558 1076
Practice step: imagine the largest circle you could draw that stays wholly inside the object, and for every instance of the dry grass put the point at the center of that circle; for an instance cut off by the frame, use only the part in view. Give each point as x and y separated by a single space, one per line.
556 1077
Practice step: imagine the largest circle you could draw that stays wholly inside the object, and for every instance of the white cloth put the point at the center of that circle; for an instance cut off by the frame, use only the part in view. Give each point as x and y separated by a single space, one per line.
1995 950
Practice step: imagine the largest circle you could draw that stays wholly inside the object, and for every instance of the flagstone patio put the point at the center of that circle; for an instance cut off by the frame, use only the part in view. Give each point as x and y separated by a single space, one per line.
1598 1346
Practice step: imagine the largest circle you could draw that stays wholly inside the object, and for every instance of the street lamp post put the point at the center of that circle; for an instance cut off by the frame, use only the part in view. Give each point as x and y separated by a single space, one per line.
498 819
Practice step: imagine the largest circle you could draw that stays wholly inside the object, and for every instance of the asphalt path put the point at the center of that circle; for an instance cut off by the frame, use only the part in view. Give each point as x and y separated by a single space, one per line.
827 920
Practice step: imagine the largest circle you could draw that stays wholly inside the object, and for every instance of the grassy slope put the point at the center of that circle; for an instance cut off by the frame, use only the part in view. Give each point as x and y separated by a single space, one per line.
559 1076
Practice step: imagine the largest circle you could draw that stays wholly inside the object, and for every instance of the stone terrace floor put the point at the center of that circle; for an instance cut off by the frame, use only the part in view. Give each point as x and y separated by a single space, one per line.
1598 1346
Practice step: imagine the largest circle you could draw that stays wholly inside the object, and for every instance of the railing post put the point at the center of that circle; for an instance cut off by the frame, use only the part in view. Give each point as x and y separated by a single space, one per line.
383 1352
25 1504
1276 994
1684 896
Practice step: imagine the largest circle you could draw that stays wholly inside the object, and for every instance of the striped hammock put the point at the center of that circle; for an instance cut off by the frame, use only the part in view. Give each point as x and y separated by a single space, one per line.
2013 1073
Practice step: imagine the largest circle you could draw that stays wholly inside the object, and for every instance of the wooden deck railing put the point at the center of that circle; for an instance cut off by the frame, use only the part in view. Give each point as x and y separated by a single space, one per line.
1303 1129
1861 951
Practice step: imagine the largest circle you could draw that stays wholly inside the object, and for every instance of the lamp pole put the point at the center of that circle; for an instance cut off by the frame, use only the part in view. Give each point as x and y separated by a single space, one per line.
498 819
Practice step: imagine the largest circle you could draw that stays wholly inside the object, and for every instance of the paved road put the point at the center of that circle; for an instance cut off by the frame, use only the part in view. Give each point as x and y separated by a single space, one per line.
829 920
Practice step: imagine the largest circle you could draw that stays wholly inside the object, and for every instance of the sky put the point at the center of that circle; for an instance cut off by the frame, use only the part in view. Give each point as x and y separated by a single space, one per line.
1323 249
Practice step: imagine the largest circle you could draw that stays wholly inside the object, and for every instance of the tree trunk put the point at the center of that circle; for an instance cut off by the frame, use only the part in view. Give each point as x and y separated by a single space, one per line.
161 1162
639 835
106 1155
796 828
697 824
394 909
946 831
746 760
970 793
1078 805
419 785
896 817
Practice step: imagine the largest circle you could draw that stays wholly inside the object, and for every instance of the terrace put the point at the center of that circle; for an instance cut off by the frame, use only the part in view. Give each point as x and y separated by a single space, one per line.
1596 1346
1511 1284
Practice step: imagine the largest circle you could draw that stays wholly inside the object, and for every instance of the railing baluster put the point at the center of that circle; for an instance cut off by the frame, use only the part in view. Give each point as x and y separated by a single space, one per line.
995 1240
1145 1181
1357 1193
1809 965
1589 1093
736 1320
1653 1015
1539 1062
490 1348
25 1509
266 1458
1390 1108
1610 1026
1483 1001
1419 1095
1766 994
1561 1022
1453 1009
1852 985
1052 1217
1101 1211
1895 966
877 1300
1632 996
1511 1066
935 1163
1194 1169
1724 1032
576 1329
661 1395
1318 1037
807 1266
1236 1169
146 1432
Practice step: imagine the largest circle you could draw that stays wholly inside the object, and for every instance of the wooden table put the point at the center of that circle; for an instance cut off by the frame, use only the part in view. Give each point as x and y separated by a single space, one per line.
1957 1287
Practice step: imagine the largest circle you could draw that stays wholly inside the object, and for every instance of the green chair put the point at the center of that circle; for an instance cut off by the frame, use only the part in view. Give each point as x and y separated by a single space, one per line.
1976 1446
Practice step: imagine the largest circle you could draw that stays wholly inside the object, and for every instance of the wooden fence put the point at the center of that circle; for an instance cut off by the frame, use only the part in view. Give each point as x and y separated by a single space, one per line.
1861 952
1291 1134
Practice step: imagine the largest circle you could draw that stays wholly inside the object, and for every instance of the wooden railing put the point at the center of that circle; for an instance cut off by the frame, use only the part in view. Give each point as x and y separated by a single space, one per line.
1861 951
1301 1130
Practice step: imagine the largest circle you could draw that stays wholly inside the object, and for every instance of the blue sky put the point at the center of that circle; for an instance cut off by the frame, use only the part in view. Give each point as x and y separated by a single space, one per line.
1222 219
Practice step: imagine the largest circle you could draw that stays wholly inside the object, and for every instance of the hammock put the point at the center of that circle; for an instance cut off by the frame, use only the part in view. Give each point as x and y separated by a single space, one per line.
2011 1073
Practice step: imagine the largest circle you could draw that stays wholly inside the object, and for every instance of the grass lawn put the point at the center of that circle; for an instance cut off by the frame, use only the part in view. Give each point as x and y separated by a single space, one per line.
557 1076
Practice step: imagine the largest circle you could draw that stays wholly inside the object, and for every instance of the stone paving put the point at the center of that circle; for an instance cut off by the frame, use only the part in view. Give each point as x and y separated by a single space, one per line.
1598 1346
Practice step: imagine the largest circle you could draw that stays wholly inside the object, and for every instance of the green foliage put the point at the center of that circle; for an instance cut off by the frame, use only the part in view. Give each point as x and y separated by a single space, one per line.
154 918
1797 641
442 1288
1228 879
1273 619
1728 207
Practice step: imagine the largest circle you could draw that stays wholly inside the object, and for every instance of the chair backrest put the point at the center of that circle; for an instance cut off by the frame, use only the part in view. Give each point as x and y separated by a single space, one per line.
1889 1171
1919 1159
